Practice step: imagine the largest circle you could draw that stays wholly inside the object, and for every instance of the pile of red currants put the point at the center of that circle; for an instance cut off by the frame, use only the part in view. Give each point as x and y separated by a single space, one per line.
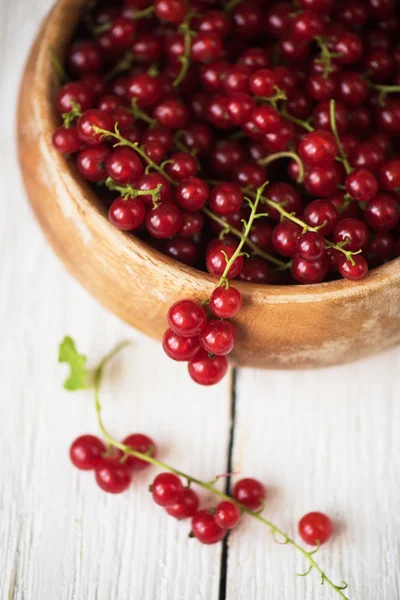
256 140
113 473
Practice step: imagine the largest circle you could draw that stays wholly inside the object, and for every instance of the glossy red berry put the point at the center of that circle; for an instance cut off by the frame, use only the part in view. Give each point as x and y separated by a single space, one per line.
218 337
74 92
226 198
266 119
284 238
227 155
353 232
262 83
217 257
167 489
240 107
171 113
150 181
187 318
354 269
311 245
307 25
207 370
389 175
249 492
318 148
187 507
164 221
307 272
205 528
124 166
227 515
285 194
192 193
89 119
91 162
320 87
193 222
180 348
350 47
322 116
382 212
206 46
361 185
172 11
181 166
127 214
256 270
112 476
315 528
225 303
140 443
145 89
321 214
66 141
84 57
86 452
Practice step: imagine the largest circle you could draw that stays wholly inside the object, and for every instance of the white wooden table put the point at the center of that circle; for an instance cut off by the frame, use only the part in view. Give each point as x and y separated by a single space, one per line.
325 440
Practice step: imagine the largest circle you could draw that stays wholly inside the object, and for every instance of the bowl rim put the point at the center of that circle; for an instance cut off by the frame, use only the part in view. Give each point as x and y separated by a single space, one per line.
375 279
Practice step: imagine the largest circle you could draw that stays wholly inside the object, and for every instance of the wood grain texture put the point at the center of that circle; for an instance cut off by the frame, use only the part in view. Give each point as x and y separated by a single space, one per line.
326 439
283 327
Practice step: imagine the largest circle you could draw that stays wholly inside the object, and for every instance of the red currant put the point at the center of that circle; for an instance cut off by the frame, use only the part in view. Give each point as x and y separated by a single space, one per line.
140 443
86 452
227 515
218 337
187 507
205 528
207 370
249 492
167 489
180 348
315 528
112 476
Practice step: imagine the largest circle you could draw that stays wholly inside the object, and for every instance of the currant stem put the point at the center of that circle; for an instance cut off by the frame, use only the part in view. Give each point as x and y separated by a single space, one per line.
326 56
295 120
57 66
135 146
140 14
342 153
127 450
127 191
69 117
240 235
123 65
231 5
272 157
138 113
185 59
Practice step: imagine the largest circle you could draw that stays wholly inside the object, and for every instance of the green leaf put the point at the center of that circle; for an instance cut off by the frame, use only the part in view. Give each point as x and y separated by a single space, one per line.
78 377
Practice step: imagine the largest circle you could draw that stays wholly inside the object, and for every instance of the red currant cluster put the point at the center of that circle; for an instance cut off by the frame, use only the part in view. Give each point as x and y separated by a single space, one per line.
185 110
113 473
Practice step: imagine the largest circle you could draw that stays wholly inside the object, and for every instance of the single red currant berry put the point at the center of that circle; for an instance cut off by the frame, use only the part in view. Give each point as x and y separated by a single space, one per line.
181 166
218 337
205 528
226 198
306 271
182 249
352 231
315 528
86 452
180 348
193 222
122 32
262 83
74 92
167 489
382 212
279 141
361 185
164 221
322 116
187 507
249 492
207 370
89 119
124 166
256 270
145 89
66 141
187 318
321 87
140 443
307 25
226 156
172 11
350 48
324 181
321 214
112 476
84 57
284 238
171 113
225 302
353 88
217 259
240 107
216 21
388 117
192 193
127 214
311 245
318 148
91 162
285 194
266 119
389 175
354 269
151 181
206 46
381 247
227 515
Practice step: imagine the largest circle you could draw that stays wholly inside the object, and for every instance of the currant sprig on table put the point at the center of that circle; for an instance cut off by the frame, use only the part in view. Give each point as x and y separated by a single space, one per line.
115 465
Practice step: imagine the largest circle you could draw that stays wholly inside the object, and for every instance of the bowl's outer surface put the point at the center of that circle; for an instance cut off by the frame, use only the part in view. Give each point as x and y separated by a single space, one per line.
279 327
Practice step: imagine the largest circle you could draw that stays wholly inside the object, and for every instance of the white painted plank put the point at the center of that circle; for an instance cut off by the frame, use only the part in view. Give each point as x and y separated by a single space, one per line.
321 440
61 537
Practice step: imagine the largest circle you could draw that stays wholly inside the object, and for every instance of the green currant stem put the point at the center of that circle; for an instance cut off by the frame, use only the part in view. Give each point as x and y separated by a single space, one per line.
69 117
326 56
386 89
229 229
291 217
185 59
138 113
295 120
97 29
127 191
231 5
97 378
342 154
123 65
135 146
264 162
57 66
280 95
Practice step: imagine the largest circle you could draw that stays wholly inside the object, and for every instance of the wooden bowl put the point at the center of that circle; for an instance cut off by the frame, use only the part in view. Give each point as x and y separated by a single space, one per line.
279 327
